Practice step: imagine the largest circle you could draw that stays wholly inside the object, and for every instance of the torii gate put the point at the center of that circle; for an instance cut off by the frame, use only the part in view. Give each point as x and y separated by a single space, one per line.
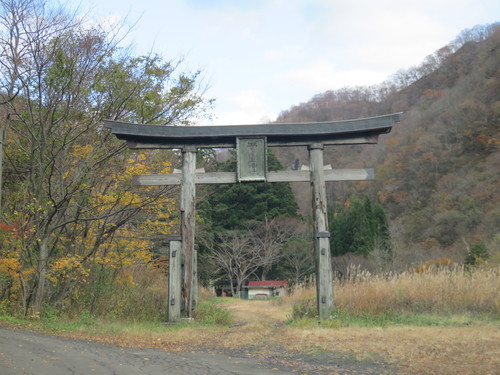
251 142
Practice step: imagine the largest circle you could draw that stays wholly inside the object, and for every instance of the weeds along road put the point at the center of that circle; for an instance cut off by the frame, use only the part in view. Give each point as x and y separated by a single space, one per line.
26 352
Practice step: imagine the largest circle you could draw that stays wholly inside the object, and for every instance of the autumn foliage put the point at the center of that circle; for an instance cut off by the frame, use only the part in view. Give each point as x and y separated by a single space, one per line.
72 225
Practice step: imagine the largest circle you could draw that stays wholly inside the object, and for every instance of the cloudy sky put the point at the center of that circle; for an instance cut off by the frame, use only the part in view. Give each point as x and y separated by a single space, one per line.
260 57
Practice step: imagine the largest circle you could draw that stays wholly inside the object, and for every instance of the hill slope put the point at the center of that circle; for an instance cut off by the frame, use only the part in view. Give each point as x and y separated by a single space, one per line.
438 172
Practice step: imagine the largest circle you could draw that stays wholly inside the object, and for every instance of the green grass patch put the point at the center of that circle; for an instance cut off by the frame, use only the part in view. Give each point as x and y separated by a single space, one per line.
304 314
50 320
104 327
210 314
7 319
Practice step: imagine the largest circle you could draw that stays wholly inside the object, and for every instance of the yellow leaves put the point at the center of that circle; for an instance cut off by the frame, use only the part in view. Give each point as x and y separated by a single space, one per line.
158 227
144 163
82 151
133 169
125 278
116 200
10 270
67 267
9 265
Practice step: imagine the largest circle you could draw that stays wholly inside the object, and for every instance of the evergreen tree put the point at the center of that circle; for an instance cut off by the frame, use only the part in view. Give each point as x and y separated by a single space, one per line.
232 206
358 228
477 255
382 233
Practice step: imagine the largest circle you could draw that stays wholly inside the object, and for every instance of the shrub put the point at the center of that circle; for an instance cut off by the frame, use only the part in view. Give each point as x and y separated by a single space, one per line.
477 255
306 308
434 264
208 313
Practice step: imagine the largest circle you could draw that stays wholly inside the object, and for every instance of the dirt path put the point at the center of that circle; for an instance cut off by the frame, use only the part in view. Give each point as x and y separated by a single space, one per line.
257 312
260 325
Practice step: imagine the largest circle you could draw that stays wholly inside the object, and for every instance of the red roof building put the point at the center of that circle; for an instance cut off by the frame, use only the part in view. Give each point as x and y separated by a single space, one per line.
266 289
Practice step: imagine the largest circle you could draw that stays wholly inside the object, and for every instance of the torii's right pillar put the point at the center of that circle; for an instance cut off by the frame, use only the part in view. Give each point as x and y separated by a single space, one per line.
324 274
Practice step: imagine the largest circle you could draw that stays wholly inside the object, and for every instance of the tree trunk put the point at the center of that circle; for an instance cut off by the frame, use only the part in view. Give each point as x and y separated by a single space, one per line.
24 293
265 271
238 288
233 290
41 275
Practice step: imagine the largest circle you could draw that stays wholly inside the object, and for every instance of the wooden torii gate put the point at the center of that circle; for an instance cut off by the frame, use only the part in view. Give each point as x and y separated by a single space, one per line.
251 142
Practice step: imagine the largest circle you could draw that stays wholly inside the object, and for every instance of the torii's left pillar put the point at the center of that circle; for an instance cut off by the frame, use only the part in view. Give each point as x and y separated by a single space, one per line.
187 229
174 278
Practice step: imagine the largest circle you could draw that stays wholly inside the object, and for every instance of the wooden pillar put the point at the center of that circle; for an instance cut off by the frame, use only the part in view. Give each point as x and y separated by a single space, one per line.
174 279
188 201
324 279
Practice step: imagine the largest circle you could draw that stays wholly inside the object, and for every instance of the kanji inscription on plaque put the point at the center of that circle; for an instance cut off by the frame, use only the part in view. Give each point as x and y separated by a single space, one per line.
252 158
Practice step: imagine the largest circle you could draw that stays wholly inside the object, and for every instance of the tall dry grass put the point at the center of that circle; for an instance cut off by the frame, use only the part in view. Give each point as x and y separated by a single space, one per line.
441 291
137 293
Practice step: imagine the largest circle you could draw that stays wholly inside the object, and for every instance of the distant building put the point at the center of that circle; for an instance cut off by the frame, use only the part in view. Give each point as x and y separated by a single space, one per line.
266 289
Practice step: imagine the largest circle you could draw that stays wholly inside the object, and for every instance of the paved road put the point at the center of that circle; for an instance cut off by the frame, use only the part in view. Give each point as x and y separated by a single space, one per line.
27 352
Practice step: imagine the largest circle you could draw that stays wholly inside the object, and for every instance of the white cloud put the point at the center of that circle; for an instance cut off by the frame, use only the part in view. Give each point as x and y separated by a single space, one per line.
282 52
243 118
249 100
248 107
322 75
396 39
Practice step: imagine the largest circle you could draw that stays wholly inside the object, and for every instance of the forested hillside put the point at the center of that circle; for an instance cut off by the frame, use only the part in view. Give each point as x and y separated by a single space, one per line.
437 172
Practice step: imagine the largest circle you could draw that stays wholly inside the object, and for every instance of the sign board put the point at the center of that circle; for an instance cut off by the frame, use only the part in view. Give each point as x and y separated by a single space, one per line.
252 158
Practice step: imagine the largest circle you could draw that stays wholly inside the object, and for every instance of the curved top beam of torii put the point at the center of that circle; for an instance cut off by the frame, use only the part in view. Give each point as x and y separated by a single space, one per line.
355 131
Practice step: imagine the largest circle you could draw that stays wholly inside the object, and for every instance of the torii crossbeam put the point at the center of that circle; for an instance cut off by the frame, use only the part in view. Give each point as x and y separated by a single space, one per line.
314 135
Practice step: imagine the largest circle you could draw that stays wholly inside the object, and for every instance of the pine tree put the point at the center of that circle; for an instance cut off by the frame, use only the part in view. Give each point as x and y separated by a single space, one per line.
359 227
232 206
